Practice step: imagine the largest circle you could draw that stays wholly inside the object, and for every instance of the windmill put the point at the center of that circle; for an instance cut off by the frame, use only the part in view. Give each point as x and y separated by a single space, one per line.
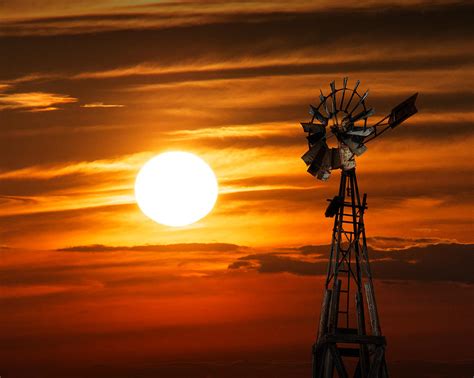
343 333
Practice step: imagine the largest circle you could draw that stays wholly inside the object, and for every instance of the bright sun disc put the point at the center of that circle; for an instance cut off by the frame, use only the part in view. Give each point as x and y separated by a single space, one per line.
176 188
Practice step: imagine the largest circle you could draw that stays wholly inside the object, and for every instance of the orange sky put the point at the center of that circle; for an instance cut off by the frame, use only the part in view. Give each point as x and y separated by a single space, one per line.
90 90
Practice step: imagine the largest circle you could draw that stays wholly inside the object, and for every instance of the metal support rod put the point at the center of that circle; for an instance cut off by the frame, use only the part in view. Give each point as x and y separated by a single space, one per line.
328 364
376 135
323 319
333 313
363 357
372 306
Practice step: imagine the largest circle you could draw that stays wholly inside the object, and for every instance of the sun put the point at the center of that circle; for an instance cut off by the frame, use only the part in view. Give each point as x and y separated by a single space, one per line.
176 188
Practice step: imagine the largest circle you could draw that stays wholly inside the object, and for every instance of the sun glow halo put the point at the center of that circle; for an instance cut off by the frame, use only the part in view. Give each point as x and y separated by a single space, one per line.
176 188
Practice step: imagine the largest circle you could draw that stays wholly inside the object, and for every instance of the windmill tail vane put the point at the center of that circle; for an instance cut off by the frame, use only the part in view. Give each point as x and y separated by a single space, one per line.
345 112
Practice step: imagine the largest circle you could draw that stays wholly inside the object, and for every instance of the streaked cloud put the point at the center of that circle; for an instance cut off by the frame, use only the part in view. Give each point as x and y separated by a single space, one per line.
34 101
431 262
388 243
277 34
55 18
101 105
46 172
189 247
4 87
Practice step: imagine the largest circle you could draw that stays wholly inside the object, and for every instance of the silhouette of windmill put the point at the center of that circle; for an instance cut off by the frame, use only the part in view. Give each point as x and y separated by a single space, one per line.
342 327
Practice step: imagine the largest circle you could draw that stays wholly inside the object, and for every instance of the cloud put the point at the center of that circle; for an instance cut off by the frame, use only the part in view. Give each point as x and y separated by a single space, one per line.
393 242
34 101
272 263
75 19
101 105
381 243
63 277
431 262
234 99
55 272
426 127
183 247
4 87
116 303
47 109
125 163
276 34
241 264
294 64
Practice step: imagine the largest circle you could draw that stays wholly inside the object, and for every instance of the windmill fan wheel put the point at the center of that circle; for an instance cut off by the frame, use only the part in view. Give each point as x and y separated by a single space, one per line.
345 112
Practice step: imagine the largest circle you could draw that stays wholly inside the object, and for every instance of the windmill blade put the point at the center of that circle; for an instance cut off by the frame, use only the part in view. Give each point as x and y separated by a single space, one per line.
352 95
357 85
316 114
323 175
315 138
361 100
316 133
333 102
323 101
312 153
344 86
355 147
403 111
325 170
333 96
318 161
363 114
361 131
309 127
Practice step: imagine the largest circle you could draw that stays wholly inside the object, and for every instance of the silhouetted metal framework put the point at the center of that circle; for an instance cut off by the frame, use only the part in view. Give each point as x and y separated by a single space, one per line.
343 332
342 326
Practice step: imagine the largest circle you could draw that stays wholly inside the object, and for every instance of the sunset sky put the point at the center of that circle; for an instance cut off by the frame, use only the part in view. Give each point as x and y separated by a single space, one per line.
91 90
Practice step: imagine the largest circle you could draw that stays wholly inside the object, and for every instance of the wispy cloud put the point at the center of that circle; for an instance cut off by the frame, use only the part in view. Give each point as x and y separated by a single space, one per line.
278 34
53 17
4 87
188 247
34 101
47 109
124 163
101 105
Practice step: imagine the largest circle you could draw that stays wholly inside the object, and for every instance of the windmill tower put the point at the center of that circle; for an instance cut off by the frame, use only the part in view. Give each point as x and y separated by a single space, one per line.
344 330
